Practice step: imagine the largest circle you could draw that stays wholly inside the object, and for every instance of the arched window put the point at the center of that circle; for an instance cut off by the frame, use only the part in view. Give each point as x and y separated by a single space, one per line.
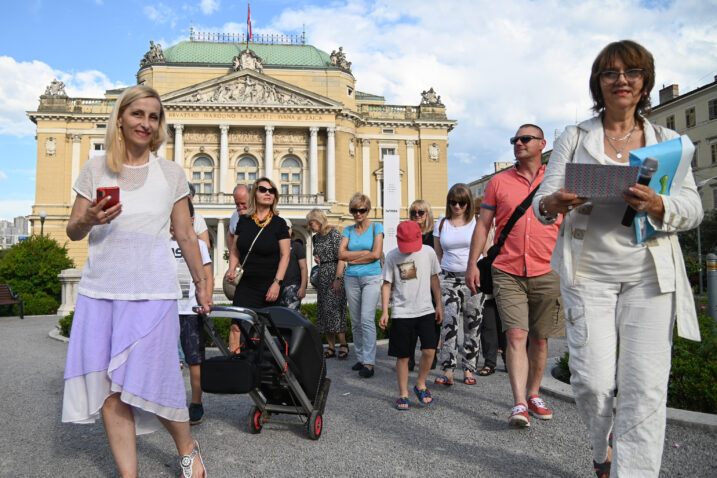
290 176
203 175
246 170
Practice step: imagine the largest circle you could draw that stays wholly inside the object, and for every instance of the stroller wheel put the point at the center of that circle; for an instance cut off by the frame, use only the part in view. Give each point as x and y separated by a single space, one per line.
315 425
255 420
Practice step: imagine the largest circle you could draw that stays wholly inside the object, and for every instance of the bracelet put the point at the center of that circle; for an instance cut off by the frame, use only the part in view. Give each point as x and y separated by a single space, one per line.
544 212
197 281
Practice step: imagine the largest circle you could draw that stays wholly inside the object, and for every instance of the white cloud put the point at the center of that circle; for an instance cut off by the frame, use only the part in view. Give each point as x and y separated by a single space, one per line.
12 208
3 175
161 14
209 6
22 83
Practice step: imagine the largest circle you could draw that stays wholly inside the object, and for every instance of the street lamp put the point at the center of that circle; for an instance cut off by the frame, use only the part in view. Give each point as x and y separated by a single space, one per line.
700 185
43 215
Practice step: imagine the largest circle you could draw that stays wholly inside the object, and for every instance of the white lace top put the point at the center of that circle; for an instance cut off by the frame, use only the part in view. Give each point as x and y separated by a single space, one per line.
130 258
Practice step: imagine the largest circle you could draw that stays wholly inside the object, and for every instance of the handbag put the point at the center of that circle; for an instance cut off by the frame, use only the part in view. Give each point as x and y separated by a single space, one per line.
228 286
314 276
486 262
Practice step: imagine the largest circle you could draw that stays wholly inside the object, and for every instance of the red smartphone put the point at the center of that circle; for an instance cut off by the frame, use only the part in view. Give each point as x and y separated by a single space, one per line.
111 191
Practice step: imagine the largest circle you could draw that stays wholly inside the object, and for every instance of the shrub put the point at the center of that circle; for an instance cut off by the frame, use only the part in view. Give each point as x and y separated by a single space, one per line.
65 324
31 268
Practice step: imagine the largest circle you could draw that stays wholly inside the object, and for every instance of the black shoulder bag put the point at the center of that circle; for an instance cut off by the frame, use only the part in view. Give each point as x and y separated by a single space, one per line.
485 263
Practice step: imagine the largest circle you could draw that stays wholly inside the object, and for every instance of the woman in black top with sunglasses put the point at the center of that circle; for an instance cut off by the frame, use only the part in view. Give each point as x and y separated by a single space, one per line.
420 212
268 260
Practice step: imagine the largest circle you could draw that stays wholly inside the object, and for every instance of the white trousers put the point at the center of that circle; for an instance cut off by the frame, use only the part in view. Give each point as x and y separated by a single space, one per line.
620 336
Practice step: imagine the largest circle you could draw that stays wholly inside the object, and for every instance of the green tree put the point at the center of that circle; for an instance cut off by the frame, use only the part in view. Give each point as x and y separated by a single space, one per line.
31 268
708 237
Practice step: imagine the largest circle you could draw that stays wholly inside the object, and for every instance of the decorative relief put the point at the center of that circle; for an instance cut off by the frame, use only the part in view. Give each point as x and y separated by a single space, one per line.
246 135
154 55
291 137
202 135
55 88
352 147
249 90
50 146
247 60
433 152
430 98
338 58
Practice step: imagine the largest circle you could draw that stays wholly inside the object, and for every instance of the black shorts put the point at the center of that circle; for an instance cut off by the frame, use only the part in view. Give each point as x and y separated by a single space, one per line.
399 343
190 336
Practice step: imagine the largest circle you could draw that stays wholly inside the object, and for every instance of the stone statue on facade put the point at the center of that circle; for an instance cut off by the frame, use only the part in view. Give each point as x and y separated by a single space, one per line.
430 98
56 88
338 58
433 153
154 55
247 60
50 146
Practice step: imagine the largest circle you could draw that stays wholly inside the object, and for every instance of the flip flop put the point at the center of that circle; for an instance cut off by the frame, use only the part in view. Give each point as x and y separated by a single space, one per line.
423 395
443 380
403 404
487 370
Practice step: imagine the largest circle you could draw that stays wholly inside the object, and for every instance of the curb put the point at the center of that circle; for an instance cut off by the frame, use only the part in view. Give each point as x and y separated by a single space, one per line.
555 388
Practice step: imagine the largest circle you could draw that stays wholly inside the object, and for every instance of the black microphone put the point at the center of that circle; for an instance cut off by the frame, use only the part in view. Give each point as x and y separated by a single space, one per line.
647 170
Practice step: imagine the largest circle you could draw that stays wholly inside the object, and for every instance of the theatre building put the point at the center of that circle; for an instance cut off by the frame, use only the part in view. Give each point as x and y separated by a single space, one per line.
236 111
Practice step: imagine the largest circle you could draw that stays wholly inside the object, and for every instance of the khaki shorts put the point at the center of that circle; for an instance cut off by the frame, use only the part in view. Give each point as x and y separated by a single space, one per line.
532 304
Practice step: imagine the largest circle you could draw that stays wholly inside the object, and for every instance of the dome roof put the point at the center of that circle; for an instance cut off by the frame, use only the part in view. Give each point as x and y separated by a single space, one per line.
223 53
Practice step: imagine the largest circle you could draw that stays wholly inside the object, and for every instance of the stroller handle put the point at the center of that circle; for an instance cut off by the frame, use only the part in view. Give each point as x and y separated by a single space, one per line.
239 313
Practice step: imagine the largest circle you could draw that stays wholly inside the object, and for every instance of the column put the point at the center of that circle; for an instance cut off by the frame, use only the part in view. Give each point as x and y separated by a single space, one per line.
313 161
223 158
366 166
178 145
410 171
269 152
76 143
377 200
330 165
220 265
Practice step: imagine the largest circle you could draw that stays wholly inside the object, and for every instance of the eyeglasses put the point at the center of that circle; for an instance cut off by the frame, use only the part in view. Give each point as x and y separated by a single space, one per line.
457 203
631 75
262 189
525 139
354 210
417 213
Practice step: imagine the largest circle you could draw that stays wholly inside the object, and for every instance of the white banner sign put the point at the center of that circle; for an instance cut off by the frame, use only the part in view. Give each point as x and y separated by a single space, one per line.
391 201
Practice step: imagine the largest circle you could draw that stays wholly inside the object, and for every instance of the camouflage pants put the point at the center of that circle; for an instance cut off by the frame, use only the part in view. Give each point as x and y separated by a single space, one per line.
462 315
289 298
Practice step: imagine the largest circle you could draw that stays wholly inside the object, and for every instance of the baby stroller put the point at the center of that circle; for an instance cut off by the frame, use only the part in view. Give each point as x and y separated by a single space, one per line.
281 365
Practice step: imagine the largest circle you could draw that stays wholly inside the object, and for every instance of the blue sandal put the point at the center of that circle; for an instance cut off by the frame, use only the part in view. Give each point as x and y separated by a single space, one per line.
423 395
403 404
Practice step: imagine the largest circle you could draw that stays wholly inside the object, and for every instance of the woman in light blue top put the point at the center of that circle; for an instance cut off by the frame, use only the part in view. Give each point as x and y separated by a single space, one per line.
361 248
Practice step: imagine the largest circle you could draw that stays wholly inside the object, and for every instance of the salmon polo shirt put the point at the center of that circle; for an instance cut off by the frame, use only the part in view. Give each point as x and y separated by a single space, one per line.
530 244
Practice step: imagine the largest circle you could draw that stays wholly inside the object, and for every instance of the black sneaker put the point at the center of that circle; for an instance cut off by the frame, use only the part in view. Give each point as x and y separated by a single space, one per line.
357 366
196 412
366 372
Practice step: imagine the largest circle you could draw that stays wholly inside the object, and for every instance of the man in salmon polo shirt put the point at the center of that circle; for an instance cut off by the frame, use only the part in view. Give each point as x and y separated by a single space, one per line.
526 289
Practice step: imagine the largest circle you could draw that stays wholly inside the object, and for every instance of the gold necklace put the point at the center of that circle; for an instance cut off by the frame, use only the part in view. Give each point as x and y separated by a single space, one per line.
262 222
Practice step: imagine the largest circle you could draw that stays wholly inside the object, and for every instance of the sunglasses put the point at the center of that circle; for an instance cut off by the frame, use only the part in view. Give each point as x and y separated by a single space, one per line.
262 189
354 210
631 75
525 139
417 213
457 203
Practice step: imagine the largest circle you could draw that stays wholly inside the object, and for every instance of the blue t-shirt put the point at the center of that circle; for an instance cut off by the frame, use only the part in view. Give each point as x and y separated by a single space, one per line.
363 242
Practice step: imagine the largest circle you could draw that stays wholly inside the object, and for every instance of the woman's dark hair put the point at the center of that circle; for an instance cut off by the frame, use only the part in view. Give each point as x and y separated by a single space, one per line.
633 55
460 192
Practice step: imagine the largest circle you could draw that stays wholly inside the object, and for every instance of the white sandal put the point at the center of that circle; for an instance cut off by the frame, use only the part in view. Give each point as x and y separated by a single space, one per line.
187 461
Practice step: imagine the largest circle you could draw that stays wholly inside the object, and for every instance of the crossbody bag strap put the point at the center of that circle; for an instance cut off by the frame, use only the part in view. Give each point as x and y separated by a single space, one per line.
517 214
252 246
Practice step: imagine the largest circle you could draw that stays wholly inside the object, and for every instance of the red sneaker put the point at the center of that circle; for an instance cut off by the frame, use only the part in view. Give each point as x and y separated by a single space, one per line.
519 416
538 409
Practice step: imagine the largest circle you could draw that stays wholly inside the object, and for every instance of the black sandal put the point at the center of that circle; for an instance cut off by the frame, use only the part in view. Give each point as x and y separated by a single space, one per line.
343 355
486 370
330 353
602 470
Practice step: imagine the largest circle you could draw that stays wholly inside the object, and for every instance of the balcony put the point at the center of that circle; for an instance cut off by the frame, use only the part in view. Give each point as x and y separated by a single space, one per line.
220 199
403 112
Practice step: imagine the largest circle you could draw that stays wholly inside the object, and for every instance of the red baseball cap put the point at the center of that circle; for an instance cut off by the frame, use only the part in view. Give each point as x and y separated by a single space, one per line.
409 237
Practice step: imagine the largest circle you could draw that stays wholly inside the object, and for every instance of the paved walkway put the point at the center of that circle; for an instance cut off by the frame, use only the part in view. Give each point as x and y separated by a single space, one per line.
465 433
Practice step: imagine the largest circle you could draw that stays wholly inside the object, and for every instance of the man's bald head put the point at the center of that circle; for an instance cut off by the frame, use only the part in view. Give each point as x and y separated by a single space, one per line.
241 197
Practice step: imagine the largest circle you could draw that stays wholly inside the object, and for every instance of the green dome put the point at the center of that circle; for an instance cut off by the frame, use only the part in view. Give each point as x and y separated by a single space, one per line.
223 53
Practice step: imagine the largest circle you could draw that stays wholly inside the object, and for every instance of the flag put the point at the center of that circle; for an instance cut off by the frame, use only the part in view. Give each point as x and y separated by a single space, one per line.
248 20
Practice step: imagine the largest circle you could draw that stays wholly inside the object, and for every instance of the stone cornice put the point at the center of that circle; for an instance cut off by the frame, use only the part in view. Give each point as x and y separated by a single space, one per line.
67 116
205 107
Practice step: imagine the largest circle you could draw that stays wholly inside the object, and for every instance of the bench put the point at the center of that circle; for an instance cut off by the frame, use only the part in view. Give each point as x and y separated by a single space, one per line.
7 297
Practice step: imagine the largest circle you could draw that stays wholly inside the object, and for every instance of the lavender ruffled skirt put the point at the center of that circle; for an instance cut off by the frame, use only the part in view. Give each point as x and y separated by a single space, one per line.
125 347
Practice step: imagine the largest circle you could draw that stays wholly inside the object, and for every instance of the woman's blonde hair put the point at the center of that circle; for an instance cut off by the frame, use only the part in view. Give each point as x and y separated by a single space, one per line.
252 196
114 141
460 192
359 199
320 217
424 206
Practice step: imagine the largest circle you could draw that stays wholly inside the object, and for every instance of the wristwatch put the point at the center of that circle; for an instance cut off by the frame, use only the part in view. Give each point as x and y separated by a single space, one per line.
279 281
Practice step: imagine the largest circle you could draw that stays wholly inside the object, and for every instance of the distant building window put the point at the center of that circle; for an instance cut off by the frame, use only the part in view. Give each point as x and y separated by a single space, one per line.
690 117
712 108
694 157
203 175
290 176
246 171
385 151
713 150
99 146
101 125
387 131
349 91
670 122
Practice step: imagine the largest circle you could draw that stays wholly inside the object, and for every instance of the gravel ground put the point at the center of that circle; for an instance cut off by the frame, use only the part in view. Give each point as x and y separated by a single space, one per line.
464 433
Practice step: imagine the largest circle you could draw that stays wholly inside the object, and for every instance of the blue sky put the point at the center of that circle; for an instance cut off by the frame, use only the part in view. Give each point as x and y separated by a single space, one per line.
495 64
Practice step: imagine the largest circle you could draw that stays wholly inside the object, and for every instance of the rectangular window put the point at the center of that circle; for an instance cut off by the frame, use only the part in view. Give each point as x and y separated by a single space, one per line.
207 188
284 177
385 151
670 121
712 108
388 131
240 177
690 117
713 151
295 189
100 125
99 146
284 189
196 175
296 177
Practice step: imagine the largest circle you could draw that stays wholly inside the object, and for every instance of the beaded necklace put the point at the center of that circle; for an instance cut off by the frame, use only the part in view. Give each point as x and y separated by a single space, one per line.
262 222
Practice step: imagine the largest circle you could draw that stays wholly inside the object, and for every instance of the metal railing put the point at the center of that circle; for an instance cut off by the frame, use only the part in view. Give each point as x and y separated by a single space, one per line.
263 38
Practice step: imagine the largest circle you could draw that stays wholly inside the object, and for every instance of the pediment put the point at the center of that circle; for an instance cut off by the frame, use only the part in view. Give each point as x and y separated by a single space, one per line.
247 88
